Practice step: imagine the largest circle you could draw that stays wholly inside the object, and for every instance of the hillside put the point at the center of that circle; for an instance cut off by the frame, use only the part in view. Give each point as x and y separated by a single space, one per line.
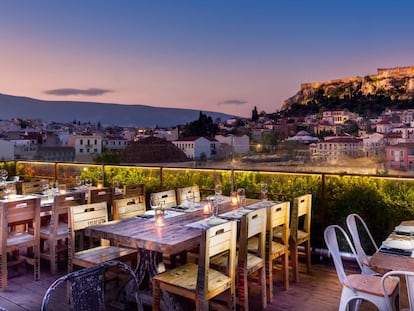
369 95
106 114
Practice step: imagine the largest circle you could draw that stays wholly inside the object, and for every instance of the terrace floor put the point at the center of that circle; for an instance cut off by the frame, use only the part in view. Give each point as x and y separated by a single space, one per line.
318 290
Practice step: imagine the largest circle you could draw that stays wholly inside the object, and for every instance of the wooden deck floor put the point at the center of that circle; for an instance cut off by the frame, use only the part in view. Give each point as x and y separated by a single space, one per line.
318 290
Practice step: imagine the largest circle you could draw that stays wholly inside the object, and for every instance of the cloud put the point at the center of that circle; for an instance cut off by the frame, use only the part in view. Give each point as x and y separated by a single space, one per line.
69 91
233 102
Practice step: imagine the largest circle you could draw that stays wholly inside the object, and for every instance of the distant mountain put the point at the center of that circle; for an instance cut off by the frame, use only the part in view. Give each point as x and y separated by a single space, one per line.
369 95
106 114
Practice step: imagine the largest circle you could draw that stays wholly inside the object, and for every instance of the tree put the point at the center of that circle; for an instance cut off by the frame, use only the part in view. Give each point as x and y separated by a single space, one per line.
204 126
255 115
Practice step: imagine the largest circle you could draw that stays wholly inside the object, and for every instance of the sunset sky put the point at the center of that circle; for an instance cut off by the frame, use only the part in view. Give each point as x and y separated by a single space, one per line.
213 55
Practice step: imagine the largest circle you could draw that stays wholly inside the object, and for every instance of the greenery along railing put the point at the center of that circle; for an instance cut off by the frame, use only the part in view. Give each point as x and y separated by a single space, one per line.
382 201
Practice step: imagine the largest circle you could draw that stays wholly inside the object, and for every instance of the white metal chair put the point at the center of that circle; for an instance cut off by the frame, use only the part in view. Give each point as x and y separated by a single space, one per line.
87 290
409 280
357 287
360 233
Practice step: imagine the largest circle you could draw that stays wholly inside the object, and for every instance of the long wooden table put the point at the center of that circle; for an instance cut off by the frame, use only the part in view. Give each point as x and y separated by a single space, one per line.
154 242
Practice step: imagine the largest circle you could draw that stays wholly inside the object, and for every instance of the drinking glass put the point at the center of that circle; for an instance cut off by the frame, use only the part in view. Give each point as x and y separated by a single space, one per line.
218 190
190 198
88 182
154 202
241 195
214 208
78 181
263 191
3 174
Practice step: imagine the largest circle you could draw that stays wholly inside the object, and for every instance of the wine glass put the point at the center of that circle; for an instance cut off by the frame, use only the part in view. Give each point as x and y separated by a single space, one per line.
263 191
214 208
3 175
154 202
241 195
88 182
218 190
78 181
190 198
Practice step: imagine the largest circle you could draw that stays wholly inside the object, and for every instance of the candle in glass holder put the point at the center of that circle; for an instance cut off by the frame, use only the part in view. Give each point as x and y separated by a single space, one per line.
206 208
100 184
62 188
234 199
159 217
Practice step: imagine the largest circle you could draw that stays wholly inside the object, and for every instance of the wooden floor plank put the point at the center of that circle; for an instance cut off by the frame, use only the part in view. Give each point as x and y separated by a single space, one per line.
318 290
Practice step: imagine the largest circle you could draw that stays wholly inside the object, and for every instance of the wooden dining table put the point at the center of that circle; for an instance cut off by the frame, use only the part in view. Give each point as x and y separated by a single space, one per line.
176 236
383 262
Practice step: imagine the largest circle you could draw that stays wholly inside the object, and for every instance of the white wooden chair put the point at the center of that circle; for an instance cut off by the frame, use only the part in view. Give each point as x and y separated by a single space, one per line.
409 282
129 207
188 195
201 283
82 216
167 198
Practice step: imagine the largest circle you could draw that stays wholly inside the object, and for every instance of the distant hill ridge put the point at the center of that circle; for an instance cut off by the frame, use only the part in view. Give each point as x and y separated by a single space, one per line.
107 114
390 86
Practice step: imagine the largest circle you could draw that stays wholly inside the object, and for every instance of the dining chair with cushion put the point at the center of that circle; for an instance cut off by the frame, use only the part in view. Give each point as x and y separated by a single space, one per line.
129 207
87 288
300 232
357 287
361 235
199 282
188 195
82 216
409 282
19 246
105 194
56 233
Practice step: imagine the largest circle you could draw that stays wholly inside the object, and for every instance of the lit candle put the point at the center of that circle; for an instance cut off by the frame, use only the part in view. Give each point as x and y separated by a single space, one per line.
206 208
234 199
62 188
100 184
159 217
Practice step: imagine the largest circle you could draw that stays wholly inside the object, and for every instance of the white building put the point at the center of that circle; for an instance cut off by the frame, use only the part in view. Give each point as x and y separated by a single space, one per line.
196 147
24 149
6 150
338 116
240 144
86 145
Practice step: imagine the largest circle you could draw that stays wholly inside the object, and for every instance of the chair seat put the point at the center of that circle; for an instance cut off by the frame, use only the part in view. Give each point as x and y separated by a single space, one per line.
20 239
186 277
371 284
62 231
302 236
254 263
100 254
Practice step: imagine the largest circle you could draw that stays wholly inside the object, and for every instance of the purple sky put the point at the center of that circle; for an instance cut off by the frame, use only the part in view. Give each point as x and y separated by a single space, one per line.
217 55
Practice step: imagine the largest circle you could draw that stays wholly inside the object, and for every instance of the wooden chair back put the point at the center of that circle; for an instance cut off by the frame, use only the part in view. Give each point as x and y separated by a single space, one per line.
60 207
302 208
129 207
134 190
167 198
188 193
252 226
26 212
216 240
278 222
105 194
31 187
